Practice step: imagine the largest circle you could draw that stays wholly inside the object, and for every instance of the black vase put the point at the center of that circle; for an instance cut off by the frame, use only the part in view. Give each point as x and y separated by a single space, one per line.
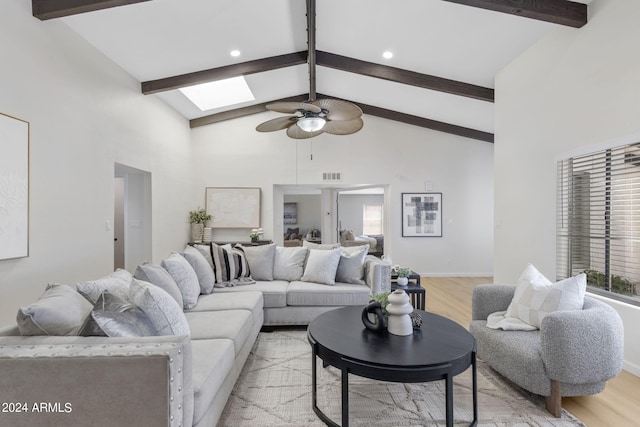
375 308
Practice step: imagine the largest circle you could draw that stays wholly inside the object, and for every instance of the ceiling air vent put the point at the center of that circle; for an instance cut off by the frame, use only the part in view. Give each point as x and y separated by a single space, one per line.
331 176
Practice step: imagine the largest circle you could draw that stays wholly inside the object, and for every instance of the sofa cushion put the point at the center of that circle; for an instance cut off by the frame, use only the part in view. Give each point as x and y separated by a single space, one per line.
59 311
351 266
321 266
163 311
113 316
246 300
236 325
212 360
316 294
201 266
535 296
185 277
289 263
260 259
160 277
273 292
116 283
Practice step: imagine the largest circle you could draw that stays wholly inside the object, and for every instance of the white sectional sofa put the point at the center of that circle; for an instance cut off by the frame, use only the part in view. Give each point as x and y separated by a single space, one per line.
183 376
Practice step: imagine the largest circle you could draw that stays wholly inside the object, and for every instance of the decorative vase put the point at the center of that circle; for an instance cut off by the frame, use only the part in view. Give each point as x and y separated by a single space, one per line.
197 231
403 281
378 323
399 307
254 239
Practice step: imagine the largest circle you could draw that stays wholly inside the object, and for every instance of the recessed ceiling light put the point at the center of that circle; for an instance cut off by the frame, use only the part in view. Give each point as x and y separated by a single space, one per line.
234 53
220 93
387 54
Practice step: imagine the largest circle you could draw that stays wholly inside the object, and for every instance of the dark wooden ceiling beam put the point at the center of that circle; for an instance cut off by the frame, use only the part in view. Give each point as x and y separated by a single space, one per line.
367 109
226 72
50 9
399 75
562 12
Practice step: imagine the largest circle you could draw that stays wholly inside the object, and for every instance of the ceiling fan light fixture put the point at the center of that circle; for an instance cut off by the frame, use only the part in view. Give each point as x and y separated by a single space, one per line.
311 124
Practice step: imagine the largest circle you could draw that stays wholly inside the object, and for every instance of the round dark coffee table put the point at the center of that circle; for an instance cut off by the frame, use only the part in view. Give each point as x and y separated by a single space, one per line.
440 350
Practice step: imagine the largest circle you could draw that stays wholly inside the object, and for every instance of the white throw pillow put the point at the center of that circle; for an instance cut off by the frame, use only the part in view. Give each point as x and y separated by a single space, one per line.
116 283
260 260
321 266
536 296
351 266
185 277
289 263
202 268
161 309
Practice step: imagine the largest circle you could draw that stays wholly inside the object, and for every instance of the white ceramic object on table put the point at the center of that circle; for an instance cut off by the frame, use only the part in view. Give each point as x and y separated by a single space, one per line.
399 307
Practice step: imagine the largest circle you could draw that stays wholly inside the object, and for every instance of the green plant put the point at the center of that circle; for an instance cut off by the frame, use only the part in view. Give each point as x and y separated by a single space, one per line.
199 216
383 299
619 284
402 271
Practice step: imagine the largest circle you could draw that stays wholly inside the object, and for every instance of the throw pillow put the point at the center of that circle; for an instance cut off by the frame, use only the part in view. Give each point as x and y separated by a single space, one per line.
536 296
116 283
113 316
289 263
351 266
185 277
202 268
161 309
321 266
260 260
59 311
325 246
160 277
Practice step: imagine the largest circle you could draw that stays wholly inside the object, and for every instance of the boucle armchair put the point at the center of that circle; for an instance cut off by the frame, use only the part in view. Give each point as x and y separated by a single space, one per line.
573 353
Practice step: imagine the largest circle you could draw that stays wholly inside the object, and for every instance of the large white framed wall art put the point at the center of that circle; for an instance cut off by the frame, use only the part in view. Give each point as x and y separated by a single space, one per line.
233 207
14 187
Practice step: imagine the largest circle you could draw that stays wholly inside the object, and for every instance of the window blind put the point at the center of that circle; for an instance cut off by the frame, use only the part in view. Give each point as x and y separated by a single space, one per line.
598 219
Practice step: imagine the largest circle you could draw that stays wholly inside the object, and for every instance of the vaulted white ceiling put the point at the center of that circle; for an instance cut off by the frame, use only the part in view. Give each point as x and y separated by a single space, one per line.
163 38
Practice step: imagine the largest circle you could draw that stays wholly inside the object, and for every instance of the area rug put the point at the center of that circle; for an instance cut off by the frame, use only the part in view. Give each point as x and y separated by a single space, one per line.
274 389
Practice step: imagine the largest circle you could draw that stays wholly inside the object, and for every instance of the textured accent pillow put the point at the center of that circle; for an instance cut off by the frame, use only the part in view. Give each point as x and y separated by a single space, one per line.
115 283
113 316
59 311
260 260
202 268
351 266
321 266
161 309
160 277
185 277
535 296
289 263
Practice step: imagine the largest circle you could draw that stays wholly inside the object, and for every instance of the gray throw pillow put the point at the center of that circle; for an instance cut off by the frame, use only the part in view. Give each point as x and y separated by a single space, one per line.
113 316
260 260
351 266
59 311
201 266
161 309
289 263
185 277
322 266
160 277
115 283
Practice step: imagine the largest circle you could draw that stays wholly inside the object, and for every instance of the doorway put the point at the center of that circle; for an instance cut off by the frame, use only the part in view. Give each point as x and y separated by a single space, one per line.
132 217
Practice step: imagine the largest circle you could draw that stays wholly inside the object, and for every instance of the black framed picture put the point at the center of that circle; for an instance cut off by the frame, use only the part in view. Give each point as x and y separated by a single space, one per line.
421 214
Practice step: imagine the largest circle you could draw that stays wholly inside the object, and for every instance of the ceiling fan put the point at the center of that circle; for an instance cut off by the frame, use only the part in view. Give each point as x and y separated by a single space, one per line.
316 116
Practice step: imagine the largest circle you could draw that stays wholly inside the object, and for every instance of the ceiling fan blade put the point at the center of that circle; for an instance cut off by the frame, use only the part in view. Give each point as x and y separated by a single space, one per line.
276 124
292 107
343 127
296 133
339 110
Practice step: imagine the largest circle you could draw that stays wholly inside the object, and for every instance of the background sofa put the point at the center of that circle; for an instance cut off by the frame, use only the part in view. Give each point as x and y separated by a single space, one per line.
204 320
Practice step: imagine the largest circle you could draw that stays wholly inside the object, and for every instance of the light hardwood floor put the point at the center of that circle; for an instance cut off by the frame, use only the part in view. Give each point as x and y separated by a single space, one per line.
617 406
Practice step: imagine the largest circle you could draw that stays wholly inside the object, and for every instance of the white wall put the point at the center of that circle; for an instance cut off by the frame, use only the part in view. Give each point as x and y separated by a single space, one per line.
86 114
232 153
575 89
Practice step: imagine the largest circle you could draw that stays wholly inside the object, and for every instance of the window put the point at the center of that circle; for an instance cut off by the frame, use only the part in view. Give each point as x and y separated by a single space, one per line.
372 219
598 221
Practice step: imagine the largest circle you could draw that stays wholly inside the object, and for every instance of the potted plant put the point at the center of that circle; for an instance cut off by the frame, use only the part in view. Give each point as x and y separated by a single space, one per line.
255 234
403 274
197 219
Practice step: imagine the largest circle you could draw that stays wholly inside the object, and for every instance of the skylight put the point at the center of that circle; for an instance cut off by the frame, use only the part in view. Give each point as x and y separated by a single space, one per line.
221 93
